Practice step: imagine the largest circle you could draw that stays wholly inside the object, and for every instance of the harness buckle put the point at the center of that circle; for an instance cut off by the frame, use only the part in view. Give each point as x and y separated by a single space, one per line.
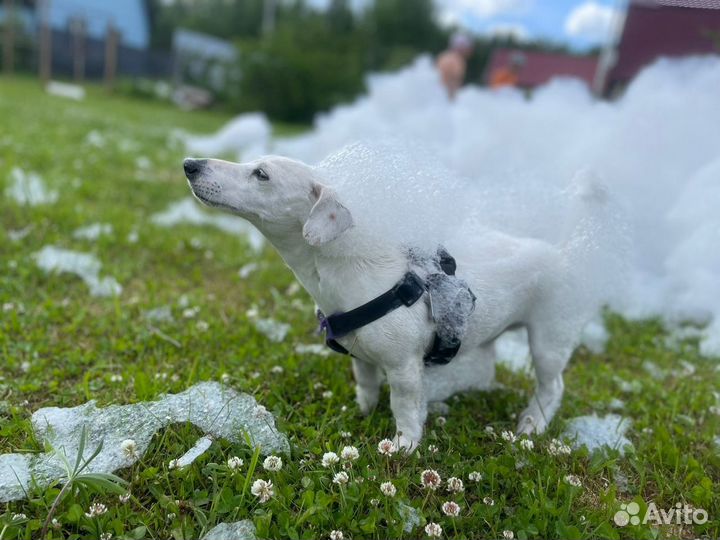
410 289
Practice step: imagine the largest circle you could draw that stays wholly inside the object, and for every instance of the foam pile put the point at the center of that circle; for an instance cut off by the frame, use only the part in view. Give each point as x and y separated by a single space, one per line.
84 265
656 148
218 411
248 133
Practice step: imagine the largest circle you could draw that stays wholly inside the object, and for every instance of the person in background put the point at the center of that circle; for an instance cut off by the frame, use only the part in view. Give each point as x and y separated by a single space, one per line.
508 75
452 63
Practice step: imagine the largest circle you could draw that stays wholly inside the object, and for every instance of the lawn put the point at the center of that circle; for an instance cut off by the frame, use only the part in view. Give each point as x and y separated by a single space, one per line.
112 161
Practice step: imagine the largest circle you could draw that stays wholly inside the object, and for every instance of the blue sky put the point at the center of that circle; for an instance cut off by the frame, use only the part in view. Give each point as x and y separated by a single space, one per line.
580 23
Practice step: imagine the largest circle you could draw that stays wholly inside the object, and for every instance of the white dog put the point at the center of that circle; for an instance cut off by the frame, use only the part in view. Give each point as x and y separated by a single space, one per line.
517 281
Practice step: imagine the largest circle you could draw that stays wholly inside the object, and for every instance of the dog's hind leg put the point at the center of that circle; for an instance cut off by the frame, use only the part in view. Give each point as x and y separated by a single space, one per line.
473 369
550 349
368 378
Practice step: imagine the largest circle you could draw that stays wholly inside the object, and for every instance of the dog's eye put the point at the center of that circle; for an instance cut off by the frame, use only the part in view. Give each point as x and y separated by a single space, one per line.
260 174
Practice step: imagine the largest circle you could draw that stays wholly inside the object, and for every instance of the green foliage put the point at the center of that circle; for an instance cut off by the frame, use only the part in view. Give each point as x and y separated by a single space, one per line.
295 72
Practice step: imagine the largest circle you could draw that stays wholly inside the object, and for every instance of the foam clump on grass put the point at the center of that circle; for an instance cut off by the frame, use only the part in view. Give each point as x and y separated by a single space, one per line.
84 265
188 211
238 530
246 134
93 231
656 148
218 411
598 433
29 189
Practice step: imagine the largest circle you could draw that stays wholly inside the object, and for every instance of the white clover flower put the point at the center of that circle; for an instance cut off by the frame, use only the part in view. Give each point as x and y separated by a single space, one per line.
189 313
202 326
527 444
489 501
573 480
18 517
234 463
430 479
124 498
386 447
329 459
388 489
327 394
455 485
475 476
508 535
451 509
96 509
374 502
345 434
491 431
433 530
509 436
349 453
336 535
341 478
55 523
170 516
343 408
318 385
116 377
129 448
433 449
273 463
441 421
558 448
106 536
277 370
225 377
263 490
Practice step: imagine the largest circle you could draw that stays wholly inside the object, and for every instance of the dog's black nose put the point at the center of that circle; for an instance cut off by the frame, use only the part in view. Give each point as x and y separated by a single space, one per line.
193 167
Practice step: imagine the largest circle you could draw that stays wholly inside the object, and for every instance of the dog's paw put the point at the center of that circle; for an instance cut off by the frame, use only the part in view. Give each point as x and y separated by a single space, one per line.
530 424
405 444
366 400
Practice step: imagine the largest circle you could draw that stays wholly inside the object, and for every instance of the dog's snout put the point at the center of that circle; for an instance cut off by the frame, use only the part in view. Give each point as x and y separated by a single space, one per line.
193 167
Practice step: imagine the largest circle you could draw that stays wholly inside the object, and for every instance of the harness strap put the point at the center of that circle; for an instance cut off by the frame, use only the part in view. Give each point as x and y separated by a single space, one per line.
406 292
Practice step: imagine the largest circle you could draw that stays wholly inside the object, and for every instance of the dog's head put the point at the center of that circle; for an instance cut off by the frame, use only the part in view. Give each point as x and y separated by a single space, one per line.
274 193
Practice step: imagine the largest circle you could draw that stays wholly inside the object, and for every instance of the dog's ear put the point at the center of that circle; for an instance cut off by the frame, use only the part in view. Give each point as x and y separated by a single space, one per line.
328 218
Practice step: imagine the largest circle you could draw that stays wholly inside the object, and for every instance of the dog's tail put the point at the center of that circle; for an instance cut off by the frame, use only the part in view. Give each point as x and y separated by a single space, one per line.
596 246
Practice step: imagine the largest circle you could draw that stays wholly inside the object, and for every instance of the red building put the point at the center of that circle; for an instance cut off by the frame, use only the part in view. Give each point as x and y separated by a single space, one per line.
655 28
534 68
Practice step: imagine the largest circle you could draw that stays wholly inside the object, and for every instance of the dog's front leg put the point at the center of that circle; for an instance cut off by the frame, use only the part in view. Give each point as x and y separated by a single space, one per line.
408 403
367 384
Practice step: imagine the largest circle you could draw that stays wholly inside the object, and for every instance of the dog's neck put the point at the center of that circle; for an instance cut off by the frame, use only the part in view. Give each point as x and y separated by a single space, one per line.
343 274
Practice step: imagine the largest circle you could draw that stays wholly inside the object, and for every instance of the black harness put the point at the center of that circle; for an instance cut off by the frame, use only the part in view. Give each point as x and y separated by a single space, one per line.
405 292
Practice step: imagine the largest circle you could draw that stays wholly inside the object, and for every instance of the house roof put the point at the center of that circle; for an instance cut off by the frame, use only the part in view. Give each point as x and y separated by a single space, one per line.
539 66
655 28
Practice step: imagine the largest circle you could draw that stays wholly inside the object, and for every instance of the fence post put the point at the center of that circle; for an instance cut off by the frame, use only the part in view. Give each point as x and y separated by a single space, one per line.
77 27
112 39
45 42
9 37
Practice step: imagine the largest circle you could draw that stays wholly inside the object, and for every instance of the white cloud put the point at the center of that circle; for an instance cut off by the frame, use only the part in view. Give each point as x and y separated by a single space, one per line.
516 31
591 21
455 11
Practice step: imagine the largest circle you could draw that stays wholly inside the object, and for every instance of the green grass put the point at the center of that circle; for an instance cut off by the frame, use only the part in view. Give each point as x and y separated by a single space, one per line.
61 347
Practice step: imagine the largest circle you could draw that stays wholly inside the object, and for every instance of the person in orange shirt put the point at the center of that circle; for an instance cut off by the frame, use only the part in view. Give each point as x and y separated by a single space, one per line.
508 75
452 63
